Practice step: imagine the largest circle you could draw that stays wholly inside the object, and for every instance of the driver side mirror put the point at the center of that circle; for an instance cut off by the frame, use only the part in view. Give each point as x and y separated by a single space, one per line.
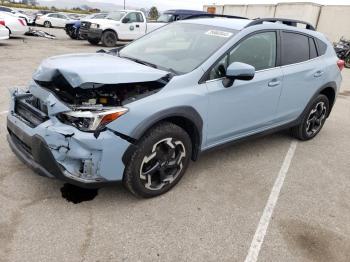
239 71
125 20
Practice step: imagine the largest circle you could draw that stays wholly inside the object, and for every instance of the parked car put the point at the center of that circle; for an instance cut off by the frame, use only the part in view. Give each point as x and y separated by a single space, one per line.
177 14
53 20
16 26
73 28
140 113
29 20
4 32
342 48
124 25
41 13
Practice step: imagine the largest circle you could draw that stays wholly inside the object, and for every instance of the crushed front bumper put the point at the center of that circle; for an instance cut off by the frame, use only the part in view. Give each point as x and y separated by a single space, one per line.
56 150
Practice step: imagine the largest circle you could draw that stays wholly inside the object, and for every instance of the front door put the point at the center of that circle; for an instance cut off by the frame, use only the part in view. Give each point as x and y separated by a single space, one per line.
247 106
132 26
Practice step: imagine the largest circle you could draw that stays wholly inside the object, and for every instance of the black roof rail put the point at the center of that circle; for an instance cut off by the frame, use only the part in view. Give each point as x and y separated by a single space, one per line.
285 21
213 16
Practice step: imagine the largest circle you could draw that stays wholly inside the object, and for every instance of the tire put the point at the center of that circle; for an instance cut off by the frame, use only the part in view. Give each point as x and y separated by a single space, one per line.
347 61
109 38
159 161
72 35
93 41
313 119
47 24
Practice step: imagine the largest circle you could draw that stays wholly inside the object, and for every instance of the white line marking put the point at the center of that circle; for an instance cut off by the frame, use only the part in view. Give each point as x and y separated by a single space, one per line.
260 233
4 112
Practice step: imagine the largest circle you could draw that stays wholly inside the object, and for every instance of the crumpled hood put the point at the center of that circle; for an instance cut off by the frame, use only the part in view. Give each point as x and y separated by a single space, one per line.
84 70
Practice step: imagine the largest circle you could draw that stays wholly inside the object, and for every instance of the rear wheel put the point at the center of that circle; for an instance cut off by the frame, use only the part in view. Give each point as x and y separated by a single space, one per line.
347 61
109 39
159 162
94 41
313 119
47 24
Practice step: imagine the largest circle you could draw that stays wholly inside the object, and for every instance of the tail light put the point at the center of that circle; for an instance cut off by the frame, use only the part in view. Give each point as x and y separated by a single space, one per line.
22 22
2 22
341 64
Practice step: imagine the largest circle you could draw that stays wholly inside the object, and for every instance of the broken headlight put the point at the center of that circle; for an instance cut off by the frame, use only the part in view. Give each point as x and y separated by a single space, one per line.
91 120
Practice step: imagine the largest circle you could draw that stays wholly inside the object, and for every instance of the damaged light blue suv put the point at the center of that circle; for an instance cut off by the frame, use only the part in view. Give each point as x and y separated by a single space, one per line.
139 114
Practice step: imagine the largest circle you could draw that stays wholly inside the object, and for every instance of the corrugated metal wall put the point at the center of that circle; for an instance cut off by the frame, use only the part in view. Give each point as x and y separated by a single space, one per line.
332 20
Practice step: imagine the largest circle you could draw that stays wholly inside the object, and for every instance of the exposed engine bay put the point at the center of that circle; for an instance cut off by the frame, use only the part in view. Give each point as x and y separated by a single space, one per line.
103 94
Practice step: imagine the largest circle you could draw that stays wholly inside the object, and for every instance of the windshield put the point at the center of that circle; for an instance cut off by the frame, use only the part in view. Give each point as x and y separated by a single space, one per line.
116 16
179 47
166 18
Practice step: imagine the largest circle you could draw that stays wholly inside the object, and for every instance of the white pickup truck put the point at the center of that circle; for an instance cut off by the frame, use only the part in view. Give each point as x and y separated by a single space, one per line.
123 25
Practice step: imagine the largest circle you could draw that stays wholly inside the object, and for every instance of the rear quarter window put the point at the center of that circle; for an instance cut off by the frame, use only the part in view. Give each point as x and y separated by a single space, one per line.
322 46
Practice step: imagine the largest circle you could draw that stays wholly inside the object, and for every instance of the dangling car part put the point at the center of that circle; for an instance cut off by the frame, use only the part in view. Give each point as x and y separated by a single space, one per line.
39 33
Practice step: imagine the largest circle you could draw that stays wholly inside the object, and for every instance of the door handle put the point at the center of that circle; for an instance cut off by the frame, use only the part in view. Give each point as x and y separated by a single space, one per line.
274 82
137 26
318 74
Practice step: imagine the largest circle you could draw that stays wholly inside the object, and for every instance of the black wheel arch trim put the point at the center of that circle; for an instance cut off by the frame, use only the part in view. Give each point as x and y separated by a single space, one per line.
185 112
332 85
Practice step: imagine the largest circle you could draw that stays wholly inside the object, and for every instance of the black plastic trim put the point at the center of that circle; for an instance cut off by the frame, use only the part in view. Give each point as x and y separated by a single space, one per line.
186 112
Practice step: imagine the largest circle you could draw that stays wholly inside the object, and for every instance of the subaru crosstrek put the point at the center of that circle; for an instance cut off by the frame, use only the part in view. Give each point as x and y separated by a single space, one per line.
139 114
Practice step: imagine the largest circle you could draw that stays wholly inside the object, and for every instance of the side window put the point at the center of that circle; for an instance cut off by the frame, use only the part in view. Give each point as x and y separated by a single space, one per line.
52 15
258 50
132 17
139 17
313 49
295 48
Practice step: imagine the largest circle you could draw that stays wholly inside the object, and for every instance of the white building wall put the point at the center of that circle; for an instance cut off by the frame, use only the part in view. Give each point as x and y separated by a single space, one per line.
332 20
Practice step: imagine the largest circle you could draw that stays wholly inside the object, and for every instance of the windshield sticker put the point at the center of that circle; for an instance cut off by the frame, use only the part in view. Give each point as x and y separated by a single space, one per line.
218 33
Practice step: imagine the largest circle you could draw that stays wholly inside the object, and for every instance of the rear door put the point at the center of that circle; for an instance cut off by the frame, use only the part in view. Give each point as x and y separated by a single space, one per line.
303 71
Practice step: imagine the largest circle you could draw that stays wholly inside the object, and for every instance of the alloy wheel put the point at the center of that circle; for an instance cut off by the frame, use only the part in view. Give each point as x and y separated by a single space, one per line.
163 165
316 119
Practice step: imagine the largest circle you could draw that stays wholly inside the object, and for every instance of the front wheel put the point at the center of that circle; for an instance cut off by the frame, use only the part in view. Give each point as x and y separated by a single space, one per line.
159 162
347 61
313 119
109 39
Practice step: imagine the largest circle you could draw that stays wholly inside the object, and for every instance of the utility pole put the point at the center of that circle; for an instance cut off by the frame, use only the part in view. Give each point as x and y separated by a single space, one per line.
124 4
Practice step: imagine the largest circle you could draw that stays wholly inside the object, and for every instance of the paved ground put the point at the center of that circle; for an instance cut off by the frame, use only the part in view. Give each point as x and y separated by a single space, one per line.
213 213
